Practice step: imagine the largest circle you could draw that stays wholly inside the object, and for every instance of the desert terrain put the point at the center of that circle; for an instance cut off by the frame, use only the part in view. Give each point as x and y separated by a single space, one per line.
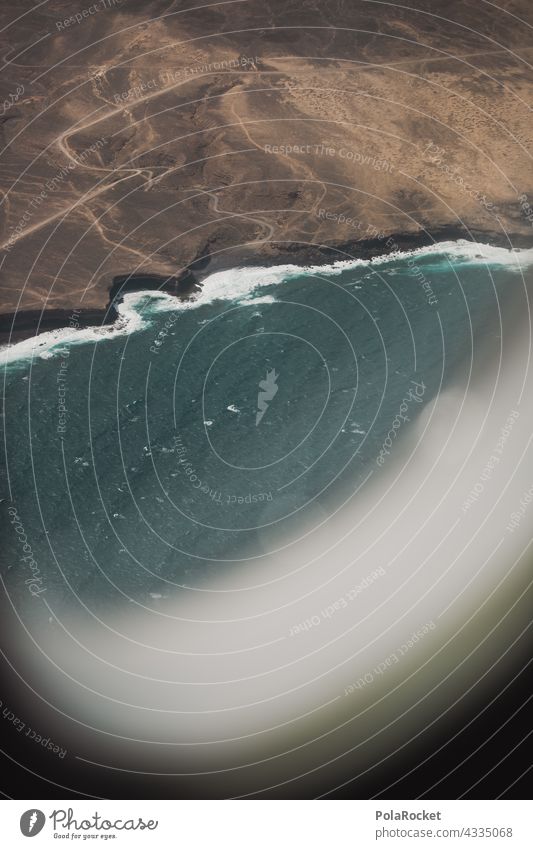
164 140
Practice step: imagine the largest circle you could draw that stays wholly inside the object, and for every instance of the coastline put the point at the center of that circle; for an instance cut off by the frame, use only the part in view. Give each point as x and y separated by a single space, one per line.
26 324
298 253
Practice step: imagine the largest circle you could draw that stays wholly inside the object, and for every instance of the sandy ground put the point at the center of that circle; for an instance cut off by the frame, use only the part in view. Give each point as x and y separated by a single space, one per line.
139 140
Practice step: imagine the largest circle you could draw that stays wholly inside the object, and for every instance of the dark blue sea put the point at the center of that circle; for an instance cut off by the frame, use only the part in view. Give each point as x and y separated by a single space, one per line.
146 457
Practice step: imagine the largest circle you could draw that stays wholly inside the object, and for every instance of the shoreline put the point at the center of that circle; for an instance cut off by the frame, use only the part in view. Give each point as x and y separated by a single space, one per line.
25 324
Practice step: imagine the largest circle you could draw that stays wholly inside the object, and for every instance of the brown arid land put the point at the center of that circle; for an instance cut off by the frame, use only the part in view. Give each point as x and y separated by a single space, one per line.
148 144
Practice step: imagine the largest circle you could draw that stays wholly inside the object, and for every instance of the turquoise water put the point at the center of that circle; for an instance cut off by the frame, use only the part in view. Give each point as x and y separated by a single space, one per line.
137 464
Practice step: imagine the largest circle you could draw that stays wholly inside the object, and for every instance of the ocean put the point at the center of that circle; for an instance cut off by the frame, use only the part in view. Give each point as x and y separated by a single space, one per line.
144 458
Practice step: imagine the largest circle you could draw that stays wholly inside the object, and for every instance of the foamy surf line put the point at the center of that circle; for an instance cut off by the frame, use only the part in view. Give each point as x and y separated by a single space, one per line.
52 342
240 284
